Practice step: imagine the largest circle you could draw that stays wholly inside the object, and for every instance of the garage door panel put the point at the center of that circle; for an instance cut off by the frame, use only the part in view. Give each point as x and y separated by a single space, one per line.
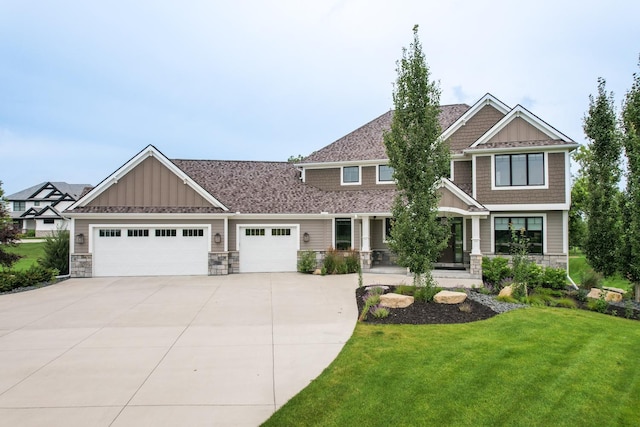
268 248
150 255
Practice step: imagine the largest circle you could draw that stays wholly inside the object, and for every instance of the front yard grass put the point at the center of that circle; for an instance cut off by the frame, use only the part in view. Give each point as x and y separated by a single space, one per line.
535 367
30 251
578 265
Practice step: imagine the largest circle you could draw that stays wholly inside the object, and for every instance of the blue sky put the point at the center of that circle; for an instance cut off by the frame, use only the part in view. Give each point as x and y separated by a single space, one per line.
85 85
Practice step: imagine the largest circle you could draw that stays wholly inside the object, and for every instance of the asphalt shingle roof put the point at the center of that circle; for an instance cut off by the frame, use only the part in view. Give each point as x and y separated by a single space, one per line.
366 142
74 190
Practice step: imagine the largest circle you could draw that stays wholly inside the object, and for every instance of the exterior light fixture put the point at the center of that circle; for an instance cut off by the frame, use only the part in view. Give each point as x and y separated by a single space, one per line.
217 238
306 237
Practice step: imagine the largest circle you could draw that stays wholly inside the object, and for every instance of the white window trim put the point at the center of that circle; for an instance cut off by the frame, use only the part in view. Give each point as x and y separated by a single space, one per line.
333 231
378 176
520 187
519 215
351 183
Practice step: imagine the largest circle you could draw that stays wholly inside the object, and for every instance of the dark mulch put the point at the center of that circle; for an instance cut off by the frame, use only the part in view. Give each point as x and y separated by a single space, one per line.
423 313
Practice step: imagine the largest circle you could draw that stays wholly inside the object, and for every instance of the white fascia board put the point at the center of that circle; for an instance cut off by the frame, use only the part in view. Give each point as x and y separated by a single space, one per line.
464 213
460 194
324 165
138 216
529 149
529 207
149 151
488 99
529 117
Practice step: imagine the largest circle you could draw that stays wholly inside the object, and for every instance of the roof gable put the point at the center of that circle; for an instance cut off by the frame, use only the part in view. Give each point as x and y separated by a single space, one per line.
149 179
487 100
525 120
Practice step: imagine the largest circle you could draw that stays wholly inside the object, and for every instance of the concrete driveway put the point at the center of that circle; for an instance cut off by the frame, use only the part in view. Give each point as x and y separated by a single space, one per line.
165 351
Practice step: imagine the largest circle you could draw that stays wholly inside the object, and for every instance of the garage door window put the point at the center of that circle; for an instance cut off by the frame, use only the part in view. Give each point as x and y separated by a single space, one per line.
281 232
109 233
166 233
254 232
196 232
138 233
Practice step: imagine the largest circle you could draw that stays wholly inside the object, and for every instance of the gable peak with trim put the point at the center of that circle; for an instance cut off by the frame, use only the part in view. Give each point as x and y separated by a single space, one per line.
148 183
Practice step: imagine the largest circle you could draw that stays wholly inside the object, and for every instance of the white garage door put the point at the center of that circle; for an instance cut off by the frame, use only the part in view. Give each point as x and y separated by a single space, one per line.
150 251
268 248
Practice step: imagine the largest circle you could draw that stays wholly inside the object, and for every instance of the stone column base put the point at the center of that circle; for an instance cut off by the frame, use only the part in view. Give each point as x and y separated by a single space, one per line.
475 266
365 260
81 265
218 263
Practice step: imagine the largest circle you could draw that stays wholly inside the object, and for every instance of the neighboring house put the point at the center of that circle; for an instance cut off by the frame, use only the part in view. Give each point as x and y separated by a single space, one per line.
156 216
40 207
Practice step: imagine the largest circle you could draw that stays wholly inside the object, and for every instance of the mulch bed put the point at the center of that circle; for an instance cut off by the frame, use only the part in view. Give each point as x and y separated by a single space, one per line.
421 313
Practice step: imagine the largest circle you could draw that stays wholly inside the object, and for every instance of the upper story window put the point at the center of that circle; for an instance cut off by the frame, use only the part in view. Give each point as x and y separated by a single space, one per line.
385 174
350 175
19 206
519 170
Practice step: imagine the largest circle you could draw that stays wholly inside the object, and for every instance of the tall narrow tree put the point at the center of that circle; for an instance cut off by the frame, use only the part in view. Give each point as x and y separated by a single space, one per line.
420 159
8 234
603 174
631 141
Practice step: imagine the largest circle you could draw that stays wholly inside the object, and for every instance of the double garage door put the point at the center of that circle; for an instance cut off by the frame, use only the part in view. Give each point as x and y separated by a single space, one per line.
177 251
150 251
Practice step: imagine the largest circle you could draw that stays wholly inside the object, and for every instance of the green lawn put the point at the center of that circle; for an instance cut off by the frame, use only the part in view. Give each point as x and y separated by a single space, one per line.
532 367
31 253
578 265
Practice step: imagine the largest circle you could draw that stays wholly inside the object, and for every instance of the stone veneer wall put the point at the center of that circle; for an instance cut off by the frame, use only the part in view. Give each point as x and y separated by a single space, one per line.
548 260
234 262
218 263
81 265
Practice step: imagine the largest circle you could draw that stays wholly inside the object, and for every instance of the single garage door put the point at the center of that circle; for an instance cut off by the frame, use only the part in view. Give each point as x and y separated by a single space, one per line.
268 248
150 251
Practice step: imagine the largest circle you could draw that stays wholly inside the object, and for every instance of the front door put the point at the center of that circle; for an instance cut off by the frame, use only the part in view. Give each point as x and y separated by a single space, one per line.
453 253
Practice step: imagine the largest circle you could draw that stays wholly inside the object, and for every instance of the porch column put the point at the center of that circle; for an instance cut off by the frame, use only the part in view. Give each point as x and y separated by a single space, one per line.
475 267
365 248
475 236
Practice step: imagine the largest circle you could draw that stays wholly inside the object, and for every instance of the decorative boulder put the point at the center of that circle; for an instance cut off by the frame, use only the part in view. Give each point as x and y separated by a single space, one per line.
449 297
595 293
616 290
507 291
392 300
317 272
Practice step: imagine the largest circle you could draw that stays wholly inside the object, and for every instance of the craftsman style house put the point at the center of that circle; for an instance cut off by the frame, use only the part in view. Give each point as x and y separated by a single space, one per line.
155 216
39 208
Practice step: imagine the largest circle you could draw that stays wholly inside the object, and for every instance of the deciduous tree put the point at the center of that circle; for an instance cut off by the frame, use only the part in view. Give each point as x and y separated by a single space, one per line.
8 234
420 159
602 245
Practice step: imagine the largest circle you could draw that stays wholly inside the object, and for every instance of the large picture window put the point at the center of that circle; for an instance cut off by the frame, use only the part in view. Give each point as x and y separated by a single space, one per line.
519 170
532 227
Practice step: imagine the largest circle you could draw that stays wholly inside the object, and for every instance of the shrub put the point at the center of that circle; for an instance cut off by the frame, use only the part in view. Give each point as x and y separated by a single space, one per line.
554 278
307 262
600 305
405 289
35 275
566 303
331 260
591 279
352 262
56 252
495 270
425 293
379 312
533 274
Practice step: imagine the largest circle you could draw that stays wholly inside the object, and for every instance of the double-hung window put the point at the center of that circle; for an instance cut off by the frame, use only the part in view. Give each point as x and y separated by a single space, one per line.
350 175
385 174
519 170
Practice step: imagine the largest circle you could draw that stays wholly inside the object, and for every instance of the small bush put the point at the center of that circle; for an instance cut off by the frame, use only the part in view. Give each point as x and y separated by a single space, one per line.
591 279
549 292
536 299
505 298
554 278
600 305
379 312
307 262
352 262
425 293
331 261
534 275
495 270
35 275
405 289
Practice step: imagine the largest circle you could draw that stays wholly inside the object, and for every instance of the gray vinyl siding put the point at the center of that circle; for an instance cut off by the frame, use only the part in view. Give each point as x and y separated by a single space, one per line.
376 235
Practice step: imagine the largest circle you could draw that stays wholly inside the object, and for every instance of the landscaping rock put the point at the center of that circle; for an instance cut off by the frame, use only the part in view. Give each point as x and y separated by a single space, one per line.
383 287
595 293
507 291
449 297
612 289
392 300
317 272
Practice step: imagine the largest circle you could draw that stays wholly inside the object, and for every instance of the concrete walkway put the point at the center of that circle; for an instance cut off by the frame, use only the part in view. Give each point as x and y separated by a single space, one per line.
168 351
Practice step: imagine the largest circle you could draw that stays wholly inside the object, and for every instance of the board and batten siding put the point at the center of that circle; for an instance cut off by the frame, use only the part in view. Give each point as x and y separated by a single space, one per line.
150 184
82 226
